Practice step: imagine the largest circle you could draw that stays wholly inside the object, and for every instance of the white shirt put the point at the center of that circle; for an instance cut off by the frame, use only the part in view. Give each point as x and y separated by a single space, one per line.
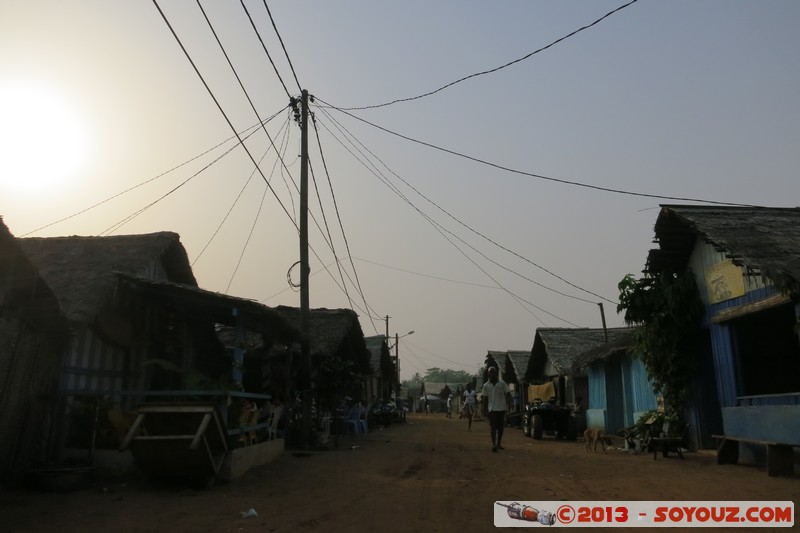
496 394
470 397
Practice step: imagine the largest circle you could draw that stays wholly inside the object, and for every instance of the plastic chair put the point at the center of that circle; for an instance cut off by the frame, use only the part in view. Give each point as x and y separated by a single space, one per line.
353 420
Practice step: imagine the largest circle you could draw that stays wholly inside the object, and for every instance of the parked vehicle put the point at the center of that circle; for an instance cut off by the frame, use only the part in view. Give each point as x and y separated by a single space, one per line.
541 417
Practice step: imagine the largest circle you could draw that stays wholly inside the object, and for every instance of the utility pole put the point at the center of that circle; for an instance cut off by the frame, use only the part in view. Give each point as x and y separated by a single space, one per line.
603 317
397 362
305 349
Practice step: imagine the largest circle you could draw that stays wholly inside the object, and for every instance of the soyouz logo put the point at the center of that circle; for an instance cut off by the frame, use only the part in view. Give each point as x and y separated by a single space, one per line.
645 514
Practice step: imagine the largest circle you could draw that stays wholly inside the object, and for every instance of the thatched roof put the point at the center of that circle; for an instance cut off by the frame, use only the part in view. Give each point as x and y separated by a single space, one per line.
512 363
623 343
81 270
765 240
562 346
499 357
22 287
216 308
332 332
518 362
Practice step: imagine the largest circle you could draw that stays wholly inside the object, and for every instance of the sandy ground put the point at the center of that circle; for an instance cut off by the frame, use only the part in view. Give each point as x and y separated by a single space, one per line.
430 474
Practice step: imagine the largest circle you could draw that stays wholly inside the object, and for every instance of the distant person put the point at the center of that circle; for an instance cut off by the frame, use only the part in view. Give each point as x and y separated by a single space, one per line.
470 404
450 406
496 396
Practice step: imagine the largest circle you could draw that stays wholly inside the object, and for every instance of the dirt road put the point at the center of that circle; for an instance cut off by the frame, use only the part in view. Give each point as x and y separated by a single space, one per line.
427 475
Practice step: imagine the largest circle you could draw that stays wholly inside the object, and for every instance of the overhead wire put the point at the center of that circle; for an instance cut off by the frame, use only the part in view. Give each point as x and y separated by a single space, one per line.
154 178
476 232
434 224
138 212
328 230
386 181
285 52
439 278
221 110
239 80
233 205
247 241
294 73
441 231
230 124
264 47
501 67
339 218
530 174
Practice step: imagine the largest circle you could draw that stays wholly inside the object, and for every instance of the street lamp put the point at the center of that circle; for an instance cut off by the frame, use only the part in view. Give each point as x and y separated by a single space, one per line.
397 355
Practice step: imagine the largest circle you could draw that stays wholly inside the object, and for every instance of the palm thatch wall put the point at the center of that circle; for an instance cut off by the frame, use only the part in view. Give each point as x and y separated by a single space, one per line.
32 334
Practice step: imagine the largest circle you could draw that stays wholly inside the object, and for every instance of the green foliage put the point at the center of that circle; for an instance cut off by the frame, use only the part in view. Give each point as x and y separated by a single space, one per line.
439 375
651 424
667 310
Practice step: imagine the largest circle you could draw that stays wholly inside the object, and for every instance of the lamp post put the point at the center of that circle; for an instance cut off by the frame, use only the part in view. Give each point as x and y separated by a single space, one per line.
397 357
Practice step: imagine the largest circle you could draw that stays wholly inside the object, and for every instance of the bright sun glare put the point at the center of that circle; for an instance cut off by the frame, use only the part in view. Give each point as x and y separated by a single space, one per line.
43 141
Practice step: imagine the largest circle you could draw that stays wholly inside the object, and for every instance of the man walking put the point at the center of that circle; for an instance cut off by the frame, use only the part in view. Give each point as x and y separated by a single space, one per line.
495 396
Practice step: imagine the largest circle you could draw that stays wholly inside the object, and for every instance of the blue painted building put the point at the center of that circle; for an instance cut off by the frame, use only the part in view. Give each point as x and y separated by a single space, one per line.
619 391
746 261
554 355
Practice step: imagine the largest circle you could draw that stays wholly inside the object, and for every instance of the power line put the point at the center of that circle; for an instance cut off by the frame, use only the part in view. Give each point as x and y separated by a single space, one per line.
299 87
339 217
162 174
501 67
530 174
328 230
221 110
438 227
439 278
233 205
264 47
396 190
247 241
138 212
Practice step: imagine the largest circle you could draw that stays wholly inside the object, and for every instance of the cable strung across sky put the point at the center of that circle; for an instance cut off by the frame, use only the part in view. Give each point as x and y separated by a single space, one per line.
493 70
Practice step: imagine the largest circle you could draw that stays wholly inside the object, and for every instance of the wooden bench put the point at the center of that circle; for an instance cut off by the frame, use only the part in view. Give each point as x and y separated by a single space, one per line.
780 460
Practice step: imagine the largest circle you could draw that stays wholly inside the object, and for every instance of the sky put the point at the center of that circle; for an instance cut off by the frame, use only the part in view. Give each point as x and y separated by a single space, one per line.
470 215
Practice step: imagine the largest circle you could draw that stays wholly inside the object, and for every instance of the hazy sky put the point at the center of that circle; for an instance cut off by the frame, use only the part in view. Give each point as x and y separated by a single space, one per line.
694 99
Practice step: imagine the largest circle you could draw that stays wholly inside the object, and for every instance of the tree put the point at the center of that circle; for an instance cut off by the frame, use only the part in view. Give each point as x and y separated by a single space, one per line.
439 375
667 309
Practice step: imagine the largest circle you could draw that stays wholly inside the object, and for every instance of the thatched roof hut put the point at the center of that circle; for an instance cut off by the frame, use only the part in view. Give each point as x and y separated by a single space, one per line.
216 308
516 365
23 288
623 342
333 332
765 240
81 271
555 350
